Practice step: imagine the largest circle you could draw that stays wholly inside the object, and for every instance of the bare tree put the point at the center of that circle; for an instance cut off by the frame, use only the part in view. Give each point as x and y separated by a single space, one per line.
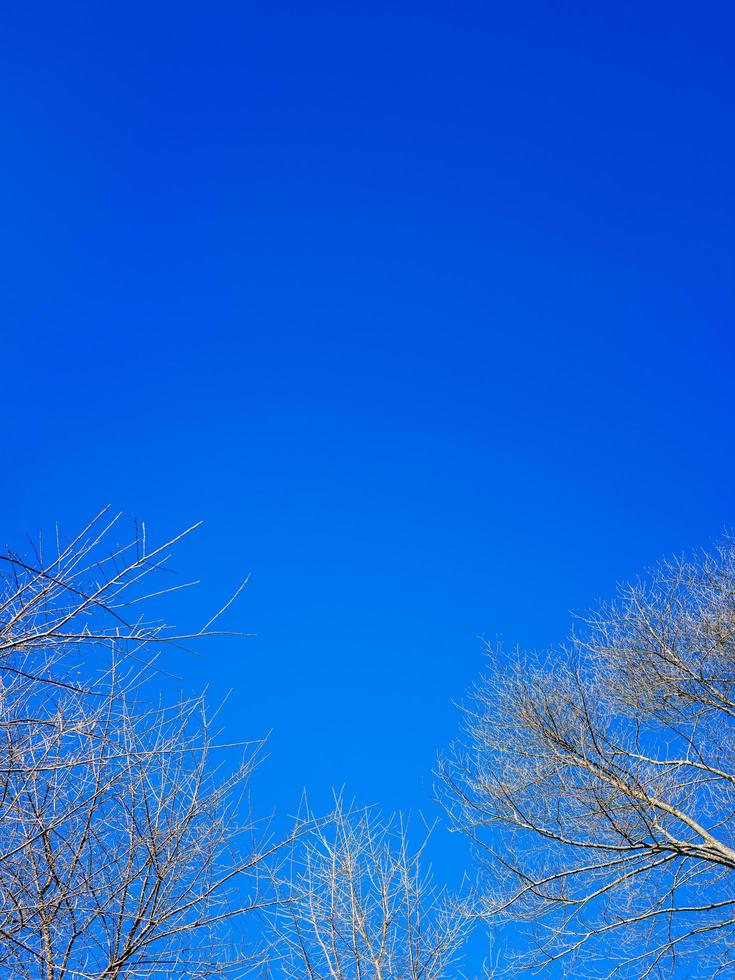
599 784
358 904
119 845
125 849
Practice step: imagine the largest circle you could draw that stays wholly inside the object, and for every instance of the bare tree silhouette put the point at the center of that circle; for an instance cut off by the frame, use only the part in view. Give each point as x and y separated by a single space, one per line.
598 783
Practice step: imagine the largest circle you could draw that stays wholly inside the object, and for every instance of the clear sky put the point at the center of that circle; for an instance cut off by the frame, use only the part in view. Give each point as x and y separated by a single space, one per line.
425 308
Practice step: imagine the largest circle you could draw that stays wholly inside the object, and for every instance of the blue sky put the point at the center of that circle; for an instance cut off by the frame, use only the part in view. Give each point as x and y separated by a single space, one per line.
425 309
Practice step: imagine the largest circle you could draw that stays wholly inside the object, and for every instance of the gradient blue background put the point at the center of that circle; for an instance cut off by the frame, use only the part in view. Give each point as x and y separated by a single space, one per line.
426 309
